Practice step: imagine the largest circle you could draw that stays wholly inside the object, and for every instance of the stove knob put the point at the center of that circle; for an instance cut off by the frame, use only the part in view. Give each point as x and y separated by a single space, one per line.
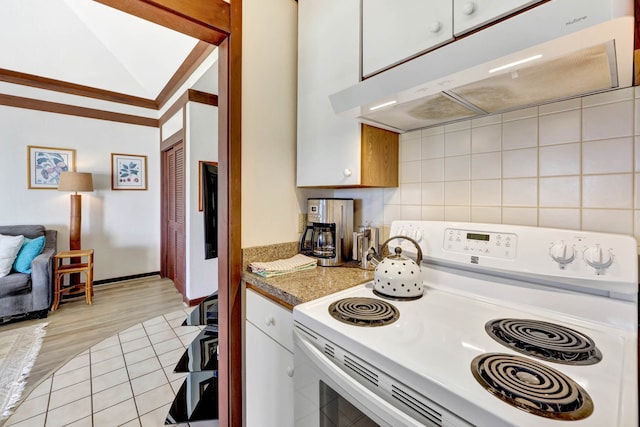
598 258
562 254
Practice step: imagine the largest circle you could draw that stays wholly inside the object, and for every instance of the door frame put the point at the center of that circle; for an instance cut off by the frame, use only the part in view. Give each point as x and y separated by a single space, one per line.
219 23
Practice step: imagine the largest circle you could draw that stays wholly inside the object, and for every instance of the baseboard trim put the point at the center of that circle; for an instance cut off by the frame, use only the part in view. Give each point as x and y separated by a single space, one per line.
120 279
192 302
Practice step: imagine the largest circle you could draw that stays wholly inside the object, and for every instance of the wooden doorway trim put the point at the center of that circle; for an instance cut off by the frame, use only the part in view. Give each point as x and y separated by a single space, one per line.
219 23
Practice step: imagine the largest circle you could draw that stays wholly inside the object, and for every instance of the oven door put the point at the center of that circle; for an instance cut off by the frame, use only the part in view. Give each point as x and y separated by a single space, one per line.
327 396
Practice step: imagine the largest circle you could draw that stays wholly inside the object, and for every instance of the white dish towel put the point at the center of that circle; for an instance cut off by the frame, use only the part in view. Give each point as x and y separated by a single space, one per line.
297 262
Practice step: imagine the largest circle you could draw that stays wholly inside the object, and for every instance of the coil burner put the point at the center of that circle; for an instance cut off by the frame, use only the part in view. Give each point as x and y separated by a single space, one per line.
531 386
364 311
546 341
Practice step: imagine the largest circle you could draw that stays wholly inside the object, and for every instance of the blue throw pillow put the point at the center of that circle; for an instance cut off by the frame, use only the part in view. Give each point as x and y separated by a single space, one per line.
30 249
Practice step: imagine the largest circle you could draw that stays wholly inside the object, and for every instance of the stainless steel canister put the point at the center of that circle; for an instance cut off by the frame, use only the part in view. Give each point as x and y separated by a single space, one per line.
365 238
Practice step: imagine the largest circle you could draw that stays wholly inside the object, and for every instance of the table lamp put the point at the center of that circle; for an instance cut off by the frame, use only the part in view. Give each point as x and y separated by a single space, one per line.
75 181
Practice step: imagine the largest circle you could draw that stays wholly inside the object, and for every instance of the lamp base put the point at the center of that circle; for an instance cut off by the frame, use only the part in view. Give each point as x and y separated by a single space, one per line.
75 225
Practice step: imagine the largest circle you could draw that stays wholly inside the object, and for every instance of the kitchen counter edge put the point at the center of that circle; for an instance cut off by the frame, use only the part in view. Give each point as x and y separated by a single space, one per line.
292 289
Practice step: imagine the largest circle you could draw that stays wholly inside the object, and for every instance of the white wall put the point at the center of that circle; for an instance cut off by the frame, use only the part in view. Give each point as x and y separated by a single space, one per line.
122 226
202 137
270 201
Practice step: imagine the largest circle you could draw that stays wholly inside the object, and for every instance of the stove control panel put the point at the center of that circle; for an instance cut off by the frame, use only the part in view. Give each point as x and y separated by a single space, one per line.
500 245
600 262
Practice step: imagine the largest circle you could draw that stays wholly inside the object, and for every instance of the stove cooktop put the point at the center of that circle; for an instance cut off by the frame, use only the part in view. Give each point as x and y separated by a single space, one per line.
431 346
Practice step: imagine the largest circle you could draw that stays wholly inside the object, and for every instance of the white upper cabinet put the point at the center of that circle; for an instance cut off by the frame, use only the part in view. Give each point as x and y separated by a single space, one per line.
328 61
471 14
394 30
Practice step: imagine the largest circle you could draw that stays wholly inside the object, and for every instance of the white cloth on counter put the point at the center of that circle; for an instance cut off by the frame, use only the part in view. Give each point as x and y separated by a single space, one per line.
297 262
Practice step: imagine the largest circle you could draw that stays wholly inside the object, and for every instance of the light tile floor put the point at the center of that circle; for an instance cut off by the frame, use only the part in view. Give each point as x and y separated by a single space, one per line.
125 380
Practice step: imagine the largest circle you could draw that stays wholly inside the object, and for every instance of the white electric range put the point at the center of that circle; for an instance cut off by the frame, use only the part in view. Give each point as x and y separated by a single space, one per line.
565 301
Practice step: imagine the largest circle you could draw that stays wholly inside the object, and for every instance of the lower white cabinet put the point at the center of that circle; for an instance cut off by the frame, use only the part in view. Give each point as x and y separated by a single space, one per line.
268 363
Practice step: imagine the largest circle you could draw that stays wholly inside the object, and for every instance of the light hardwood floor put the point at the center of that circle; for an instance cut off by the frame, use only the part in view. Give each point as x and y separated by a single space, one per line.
76 326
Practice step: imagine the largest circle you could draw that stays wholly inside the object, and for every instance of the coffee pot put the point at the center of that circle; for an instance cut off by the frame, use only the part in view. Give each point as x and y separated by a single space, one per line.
329 230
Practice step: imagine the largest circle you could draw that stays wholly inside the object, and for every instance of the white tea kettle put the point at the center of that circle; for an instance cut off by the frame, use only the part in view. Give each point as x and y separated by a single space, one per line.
397 276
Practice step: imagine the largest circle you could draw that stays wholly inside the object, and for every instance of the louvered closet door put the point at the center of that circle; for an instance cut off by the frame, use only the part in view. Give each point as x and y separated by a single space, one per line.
174 206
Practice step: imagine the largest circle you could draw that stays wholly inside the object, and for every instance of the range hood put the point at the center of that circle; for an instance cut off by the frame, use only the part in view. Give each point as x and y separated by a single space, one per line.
562 48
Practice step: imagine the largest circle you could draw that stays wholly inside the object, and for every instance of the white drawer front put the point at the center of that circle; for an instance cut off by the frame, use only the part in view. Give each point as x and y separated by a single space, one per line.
271 318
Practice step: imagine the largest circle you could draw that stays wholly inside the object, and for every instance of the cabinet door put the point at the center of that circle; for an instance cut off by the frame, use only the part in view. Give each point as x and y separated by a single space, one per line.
470 14
394 30
328 61
269 381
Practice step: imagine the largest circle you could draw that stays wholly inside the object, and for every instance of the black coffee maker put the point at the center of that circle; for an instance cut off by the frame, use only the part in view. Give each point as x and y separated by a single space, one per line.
329 233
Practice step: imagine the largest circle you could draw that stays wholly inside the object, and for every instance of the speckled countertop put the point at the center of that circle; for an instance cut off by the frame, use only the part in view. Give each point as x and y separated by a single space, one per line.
295 288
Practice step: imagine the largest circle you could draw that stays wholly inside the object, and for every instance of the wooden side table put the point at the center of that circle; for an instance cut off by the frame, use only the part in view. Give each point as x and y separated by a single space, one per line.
84 266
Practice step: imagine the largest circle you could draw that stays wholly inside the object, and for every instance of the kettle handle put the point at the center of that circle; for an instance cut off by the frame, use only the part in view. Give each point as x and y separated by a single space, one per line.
399 249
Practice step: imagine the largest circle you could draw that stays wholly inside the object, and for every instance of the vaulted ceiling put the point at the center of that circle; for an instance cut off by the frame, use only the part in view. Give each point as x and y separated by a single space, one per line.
85 45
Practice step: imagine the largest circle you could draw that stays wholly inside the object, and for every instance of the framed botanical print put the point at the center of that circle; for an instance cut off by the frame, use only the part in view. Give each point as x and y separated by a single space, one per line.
128 172
44 165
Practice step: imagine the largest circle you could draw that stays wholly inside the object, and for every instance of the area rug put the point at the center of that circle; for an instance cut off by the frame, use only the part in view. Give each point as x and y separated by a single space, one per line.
18 351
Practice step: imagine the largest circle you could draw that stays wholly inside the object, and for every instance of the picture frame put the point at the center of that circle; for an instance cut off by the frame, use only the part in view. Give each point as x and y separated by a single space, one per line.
201 172
128 171
44 165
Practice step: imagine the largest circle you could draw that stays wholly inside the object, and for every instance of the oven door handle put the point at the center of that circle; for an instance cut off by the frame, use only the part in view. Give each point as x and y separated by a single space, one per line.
365 397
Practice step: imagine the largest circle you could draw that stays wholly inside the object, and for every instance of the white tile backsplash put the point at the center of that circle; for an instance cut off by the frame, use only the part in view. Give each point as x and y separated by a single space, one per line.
433 213
607 156
559 218
457 213
457 193
520 192
410 172
486 139
607 121
411 149
520 134
572 164
433 193
558 107
607 191
411 212
457 143
520 163
486 192
520 114
457 168
411 194
560 192
560 128
608 220
432 170
489 215
562 159
486 165
520 216
433 146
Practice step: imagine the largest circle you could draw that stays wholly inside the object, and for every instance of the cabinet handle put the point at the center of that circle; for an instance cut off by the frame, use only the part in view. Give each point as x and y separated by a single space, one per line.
347 172
435 26
270 321
469 8
290 371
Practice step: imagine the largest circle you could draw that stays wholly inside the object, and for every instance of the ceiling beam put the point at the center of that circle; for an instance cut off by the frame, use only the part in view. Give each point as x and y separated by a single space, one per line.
39 82
212 17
